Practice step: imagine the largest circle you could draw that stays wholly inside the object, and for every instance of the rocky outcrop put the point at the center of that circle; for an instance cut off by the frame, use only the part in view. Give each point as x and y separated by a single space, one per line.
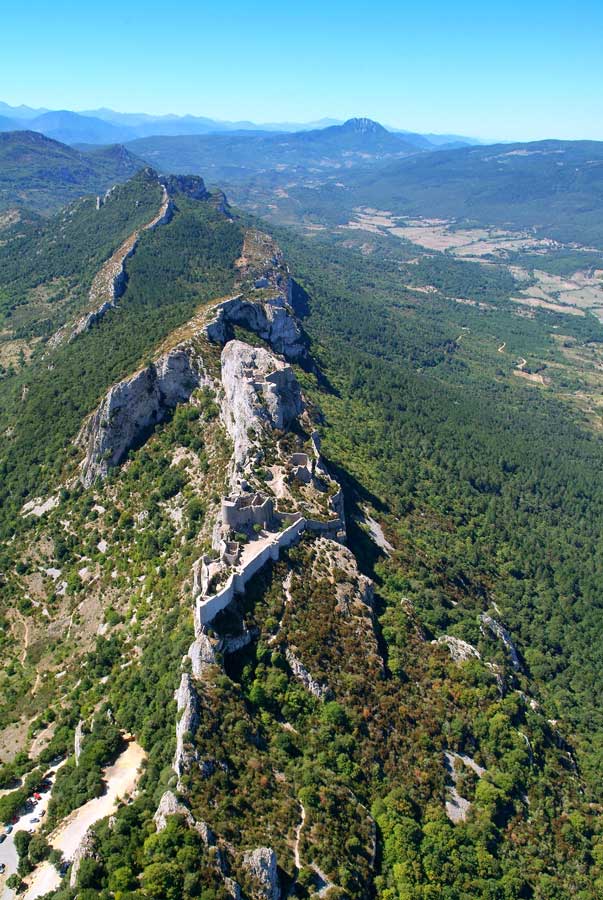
260 391
169 805
188 722
134 406
86 849
77 741
503 635
320 691
191 186
201 654
262 868
460 650
270 319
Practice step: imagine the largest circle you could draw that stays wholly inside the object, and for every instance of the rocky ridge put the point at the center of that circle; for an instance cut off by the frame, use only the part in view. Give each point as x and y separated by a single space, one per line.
110 281
279 485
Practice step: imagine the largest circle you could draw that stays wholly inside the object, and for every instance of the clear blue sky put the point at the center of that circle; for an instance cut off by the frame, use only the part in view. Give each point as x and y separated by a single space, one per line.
514 70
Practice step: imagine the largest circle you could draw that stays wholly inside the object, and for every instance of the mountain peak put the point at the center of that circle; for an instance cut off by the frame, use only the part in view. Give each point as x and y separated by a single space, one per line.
363 126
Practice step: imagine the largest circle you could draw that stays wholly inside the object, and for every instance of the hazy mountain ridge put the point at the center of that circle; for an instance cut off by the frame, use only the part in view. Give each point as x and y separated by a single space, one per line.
86 127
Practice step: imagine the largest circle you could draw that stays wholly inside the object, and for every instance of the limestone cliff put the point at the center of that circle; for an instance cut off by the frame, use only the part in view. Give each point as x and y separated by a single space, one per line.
133 406
271 319
188 707
261 866
260 391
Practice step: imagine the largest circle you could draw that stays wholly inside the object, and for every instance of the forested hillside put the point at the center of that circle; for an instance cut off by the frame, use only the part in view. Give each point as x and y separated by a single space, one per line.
309 527
39 173
555 187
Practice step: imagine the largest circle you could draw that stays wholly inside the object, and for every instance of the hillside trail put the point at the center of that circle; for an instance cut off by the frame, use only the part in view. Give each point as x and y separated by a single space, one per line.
24 622
298 832
501 349
296 856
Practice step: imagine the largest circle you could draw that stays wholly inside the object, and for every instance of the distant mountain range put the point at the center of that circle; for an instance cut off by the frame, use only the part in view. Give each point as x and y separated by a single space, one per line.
276 160
105 126
555 187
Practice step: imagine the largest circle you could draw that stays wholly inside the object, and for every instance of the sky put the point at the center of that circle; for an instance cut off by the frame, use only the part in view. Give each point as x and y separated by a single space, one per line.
507 70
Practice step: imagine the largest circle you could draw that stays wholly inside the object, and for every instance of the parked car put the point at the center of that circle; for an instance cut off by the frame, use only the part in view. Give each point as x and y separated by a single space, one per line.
2 838
36 819
8 829
2 868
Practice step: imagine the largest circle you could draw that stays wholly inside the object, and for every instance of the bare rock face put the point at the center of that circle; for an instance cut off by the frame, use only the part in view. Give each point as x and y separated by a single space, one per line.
134 406
188 706
321 691
87 849
503 635
460 650
77 742
272 320
260 391
261 865
192 186
169 805
201 654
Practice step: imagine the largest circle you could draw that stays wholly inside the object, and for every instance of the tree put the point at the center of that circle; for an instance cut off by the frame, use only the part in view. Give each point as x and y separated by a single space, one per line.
162 881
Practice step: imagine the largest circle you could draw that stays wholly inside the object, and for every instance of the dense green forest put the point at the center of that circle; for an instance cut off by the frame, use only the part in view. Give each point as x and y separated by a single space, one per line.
490 487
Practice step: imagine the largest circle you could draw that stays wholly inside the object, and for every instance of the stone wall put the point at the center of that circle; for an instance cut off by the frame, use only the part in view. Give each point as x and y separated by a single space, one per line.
207 608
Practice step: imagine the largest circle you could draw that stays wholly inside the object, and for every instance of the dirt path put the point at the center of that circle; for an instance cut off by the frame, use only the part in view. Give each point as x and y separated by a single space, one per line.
298 832
501 349
522 363
121 779
25 625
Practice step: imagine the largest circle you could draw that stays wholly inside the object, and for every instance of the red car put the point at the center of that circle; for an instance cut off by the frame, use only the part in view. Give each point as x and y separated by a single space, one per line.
37 796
